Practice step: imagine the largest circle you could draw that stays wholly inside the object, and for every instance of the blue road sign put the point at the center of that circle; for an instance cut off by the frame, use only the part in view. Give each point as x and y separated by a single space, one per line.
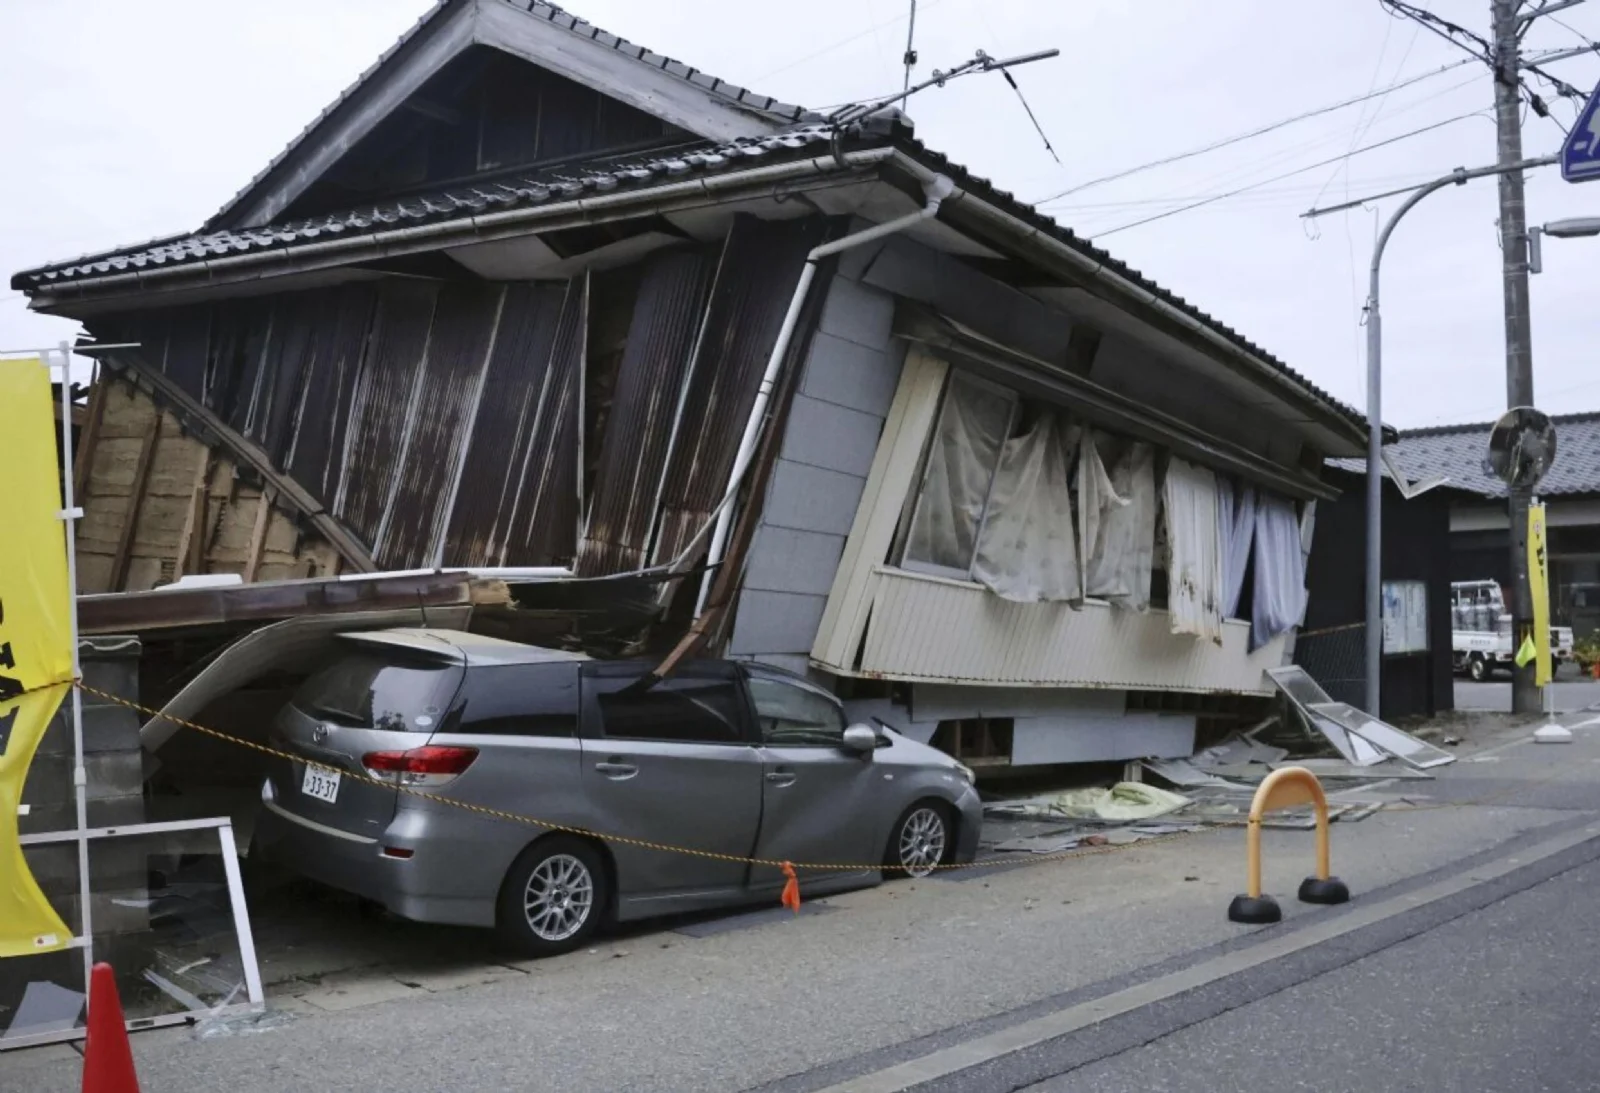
1580 155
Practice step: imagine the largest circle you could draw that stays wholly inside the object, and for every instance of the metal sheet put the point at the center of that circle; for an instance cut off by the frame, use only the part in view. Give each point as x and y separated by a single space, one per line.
385 395
755 281
650 378
438 416
513 391
935 629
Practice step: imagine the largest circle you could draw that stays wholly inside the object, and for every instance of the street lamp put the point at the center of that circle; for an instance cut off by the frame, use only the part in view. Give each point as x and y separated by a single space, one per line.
1575 228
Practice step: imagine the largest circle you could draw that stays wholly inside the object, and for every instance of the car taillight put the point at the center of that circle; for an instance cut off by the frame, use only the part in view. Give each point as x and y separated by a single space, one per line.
429 765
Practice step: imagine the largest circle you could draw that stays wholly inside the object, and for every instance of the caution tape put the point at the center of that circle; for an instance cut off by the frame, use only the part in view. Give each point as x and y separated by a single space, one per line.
786 867
791 896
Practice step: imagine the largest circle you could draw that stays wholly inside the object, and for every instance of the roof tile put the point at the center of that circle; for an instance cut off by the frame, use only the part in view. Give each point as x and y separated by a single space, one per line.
1457 453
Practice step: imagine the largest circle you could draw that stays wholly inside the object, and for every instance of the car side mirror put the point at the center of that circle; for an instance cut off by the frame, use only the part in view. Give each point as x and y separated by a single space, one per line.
860 739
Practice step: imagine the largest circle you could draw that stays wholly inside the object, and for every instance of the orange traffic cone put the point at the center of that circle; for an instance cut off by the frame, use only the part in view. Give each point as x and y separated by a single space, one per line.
107 1057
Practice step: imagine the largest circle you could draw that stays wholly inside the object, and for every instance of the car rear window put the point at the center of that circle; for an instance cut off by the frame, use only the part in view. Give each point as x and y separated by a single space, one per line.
380 691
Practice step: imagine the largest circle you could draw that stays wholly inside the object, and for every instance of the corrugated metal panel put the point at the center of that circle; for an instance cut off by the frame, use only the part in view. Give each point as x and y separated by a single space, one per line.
513 387
458 347
661 337
385 393
320 408
756 278
930 628
543 521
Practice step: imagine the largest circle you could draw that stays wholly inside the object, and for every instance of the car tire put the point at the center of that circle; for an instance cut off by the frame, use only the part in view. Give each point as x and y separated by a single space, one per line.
554 897
922 839
1478 669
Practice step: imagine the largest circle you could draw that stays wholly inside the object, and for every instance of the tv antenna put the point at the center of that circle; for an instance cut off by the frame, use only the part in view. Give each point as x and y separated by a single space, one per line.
911 52
981 62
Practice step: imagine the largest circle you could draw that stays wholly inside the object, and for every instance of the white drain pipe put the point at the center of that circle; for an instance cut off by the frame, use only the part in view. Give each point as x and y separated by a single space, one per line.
935 190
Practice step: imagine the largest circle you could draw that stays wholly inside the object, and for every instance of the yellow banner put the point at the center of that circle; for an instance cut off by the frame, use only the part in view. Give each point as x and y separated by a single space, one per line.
1539 588
35 639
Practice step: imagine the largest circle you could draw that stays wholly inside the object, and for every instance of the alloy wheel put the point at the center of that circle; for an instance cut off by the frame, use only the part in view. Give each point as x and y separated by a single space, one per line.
922 839
559 897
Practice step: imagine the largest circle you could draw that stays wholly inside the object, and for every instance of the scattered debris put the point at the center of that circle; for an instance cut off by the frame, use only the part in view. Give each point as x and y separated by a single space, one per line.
1123 801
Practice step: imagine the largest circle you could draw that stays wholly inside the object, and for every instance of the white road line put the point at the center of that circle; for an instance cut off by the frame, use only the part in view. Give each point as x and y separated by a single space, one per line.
982 1049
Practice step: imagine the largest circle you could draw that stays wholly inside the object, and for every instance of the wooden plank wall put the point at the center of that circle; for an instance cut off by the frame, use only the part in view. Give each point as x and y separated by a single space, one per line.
159 504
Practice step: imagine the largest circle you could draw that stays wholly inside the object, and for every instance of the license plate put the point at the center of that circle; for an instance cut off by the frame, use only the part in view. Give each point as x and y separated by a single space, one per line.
321 784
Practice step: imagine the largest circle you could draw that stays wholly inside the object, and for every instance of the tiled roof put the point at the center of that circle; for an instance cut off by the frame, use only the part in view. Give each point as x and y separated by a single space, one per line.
781 113
561 183
605 175
1457 452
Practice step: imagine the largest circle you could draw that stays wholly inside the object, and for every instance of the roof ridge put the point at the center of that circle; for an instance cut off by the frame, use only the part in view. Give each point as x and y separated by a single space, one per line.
1578 418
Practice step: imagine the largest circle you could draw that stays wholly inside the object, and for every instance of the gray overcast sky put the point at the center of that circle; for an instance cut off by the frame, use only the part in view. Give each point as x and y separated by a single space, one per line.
134 119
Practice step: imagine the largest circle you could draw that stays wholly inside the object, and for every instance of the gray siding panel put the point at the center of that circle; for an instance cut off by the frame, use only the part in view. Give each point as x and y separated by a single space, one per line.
847 373
785 560
858 314
776 622
834 437
808 498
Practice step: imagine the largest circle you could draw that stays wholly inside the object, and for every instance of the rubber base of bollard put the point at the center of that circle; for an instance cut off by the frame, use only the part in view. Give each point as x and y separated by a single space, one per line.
1327 892
1255 910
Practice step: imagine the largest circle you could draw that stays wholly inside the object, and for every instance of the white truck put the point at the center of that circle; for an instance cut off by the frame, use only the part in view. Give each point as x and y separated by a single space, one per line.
1480 632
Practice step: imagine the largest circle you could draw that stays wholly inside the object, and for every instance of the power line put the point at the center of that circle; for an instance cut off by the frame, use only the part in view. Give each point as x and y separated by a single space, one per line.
1290 174
1250 135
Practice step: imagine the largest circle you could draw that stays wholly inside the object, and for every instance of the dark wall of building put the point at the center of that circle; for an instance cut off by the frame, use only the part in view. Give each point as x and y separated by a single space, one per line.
1416 546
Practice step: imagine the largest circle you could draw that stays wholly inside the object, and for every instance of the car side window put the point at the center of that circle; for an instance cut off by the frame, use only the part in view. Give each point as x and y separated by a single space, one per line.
791 715
521 699
679 710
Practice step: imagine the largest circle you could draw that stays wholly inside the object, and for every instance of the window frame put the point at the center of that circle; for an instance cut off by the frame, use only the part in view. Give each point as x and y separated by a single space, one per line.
753 676
591 723
915 496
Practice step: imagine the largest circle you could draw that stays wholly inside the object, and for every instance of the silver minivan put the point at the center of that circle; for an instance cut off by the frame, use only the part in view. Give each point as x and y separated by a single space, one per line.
422 754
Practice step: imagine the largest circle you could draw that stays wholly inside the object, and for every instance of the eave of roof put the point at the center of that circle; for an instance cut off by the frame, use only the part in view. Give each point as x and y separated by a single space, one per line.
615 175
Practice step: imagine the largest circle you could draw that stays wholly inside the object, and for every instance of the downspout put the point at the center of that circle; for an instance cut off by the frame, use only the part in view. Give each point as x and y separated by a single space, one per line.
935 190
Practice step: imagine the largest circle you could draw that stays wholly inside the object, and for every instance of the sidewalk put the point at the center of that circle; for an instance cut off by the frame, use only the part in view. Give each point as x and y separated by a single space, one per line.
767 997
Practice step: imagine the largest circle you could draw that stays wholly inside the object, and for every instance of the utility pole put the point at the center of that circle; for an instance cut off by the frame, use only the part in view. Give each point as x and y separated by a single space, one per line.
1519 341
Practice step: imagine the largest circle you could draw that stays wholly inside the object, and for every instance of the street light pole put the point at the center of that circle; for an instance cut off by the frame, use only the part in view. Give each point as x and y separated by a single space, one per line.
1519 327
1374 576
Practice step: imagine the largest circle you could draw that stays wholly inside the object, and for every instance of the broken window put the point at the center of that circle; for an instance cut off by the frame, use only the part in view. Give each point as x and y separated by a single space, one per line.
1117 518
1194 573
958 476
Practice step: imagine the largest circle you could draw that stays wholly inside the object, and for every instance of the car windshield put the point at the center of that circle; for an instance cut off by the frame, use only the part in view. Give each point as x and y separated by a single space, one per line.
379 690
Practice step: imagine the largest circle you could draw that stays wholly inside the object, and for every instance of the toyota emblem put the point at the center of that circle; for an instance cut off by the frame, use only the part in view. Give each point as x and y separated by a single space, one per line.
320 733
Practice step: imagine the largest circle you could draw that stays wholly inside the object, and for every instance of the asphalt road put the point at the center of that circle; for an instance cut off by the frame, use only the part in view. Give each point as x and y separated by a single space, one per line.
1572 692
1501 998
1465 943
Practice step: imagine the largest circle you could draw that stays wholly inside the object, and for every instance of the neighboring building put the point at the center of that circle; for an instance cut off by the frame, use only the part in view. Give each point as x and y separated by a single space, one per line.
1480 546
1417 680
508 306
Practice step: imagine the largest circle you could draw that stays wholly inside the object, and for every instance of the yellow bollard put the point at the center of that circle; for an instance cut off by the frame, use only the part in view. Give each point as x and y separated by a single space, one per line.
1283 789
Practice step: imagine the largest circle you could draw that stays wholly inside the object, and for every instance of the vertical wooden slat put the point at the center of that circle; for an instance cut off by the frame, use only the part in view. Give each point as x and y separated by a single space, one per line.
141 481
258 534
191 542
84 459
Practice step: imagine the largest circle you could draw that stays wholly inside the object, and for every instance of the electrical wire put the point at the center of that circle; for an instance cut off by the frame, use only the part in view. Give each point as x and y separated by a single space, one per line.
1290 174
842 42
1241 137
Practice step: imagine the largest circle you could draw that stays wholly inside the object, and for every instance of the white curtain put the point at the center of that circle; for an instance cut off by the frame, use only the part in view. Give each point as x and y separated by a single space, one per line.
1236 521
1194 570
1025 550
1280 585
1117 519
966 444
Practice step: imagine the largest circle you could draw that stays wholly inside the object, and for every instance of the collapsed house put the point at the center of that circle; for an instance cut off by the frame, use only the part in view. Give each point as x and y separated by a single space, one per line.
541 334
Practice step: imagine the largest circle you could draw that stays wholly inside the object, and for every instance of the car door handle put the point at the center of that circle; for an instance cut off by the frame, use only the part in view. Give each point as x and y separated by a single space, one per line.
781 777
617 770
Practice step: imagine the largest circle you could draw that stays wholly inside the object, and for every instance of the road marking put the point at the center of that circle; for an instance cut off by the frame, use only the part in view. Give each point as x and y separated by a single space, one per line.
982 1049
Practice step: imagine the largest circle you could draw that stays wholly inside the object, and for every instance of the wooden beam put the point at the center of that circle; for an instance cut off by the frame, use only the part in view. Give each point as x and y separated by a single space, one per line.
141 481
258 534
88 436
191 543
249 454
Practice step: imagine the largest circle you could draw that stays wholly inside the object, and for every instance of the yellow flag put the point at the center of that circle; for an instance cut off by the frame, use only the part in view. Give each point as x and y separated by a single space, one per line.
35 641
1539 588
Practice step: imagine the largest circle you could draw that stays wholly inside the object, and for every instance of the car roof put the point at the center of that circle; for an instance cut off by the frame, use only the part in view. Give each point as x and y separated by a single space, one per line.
461 647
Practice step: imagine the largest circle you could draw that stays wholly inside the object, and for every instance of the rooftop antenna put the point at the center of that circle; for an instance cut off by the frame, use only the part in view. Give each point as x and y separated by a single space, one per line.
853 112
911 53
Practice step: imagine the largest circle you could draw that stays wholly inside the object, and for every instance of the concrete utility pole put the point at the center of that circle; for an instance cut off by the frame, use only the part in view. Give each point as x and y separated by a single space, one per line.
1519 340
